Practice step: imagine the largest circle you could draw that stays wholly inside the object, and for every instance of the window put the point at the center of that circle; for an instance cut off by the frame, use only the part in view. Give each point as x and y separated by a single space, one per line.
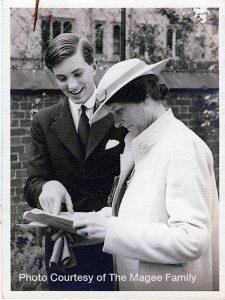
116 39
56 29
179 43
52 30
99 38
67 27
174 42
45 34
170 39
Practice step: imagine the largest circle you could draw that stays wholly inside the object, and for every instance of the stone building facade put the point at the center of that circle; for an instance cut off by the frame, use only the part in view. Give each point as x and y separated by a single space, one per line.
103 28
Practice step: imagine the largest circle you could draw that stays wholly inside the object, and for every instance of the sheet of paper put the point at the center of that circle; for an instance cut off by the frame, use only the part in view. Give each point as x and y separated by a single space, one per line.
64 220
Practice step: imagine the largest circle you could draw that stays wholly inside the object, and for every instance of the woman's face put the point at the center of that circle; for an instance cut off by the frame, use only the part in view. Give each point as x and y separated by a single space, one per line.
132 116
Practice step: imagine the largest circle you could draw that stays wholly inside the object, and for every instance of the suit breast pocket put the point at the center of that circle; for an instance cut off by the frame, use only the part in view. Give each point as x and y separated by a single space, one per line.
118 149
115 151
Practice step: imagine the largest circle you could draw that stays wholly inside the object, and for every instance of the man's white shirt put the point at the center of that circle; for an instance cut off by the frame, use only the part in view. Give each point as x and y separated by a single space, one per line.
76 109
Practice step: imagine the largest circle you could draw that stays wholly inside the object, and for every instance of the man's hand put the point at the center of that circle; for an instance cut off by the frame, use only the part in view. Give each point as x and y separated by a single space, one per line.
53 195
93 225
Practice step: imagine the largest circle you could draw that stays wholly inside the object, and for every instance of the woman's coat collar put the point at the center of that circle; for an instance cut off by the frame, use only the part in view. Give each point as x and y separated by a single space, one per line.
144 141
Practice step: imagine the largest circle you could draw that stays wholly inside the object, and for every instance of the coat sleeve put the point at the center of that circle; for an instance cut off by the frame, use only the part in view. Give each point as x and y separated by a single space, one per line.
189 196
40 168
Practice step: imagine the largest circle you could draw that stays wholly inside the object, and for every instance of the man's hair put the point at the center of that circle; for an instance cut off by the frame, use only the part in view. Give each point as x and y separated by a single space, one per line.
139 89
66 45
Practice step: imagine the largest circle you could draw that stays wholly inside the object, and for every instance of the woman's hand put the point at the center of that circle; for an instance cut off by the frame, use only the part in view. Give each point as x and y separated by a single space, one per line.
93 225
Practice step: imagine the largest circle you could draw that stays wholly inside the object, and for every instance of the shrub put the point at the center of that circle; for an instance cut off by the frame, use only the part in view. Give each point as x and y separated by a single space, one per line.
26 258
209 113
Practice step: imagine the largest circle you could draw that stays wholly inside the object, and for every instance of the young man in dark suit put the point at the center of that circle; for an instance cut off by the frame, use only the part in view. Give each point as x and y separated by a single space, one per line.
71 167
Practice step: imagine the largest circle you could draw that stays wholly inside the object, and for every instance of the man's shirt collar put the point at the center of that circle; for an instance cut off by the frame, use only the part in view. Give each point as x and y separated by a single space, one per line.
90 103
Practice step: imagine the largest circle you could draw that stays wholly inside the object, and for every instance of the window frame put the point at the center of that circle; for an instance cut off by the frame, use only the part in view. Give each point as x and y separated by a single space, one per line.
173 50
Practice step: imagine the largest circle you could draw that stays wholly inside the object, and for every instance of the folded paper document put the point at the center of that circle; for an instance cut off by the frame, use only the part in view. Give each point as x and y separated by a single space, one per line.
64 220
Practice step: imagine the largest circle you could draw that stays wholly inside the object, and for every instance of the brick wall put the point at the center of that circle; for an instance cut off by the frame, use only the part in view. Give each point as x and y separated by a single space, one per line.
22 109
185 105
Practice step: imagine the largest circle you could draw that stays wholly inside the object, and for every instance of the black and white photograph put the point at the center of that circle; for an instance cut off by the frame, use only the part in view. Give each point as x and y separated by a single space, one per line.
114 150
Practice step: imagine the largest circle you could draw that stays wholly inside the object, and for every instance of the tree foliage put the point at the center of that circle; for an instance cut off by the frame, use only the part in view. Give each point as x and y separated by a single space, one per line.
145 42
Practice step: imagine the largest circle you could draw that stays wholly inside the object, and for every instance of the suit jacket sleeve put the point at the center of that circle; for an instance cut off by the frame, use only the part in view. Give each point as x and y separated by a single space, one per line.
40 167
189 197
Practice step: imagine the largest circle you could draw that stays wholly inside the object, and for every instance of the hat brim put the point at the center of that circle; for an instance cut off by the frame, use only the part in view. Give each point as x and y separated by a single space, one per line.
101 111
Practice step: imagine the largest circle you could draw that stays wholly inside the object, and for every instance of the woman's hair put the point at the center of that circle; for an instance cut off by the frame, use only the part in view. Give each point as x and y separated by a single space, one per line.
64 46
139 89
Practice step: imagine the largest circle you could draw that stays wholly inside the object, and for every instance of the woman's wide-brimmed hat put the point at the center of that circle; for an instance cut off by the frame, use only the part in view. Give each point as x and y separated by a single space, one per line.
118 76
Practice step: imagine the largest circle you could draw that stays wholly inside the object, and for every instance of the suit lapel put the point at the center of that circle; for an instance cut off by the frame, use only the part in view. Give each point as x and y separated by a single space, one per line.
64 128
97 132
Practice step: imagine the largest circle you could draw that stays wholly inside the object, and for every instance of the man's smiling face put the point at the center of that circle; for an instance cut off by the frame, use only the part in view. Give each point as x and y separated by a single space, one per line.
75 78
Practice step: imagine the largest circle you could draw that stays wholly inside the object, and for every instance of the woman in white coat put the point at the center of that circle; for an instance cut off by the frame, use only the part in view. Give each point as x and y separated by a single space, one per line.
163 232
